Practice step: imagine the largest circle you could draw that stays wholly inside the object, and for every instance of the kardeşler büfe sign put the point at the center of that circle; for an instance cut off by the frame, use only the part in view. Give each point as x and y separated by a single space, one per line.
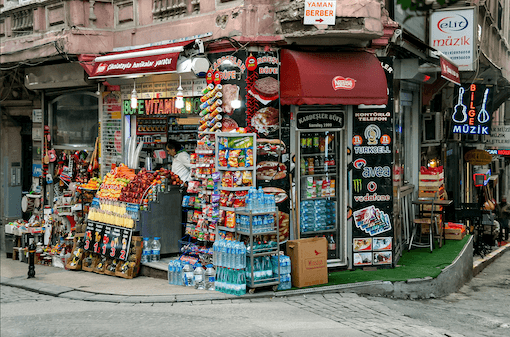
453 33
473 109
320 120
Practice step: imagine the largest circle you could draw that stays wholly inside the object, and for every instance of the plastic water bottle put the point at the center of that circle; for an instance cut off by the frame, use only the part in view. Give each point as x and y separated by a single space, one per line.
268 267
146 251
178 273
242 283
223 253
217 284
198 276
215 252
210 277
156 249
228 254
257 269
238 264
252 199
187 276
171 272
260 199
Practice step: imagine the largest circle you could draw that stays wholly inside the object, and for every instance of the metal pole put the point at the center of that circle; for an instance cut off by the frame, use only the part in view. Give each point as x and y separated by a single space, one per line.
31 258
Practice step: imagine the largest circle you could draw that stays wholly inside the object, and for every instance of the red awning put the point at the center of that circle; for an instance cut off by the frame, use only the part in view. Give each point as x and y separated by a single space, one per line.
149 60
346 78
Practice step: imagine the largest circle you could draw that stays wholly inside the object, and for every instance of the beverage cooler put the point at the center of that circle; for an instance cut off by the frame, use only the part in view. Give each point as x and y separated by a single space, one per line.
320 184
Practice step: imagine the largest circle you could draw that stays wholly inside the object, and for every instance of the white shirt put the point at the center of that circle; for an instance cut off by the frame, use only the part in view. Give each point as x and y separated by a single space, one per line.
181 165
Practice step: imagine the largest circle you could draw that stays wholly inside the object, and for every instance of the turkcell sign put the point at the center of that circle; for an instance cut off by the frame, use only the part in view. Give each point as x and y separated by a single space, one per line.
473 109
452 32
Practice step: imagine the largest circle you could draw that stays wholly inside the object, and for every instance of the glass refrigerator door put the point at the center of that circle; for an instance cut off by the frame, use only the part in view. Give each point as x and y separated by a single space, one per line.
318 187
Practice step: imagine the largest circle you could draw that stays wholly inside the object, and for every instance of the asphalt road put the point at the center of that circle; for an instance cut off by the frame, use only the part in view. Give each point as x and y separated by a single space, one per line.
481 308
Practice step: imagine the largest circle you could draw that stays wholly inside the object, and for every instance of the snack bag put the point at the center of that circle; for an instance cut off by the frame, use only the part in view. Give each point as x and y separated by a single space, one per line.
249 157
247 178
238 178
227 180
222 156
242 158
230 200
230 220
240 199
233 158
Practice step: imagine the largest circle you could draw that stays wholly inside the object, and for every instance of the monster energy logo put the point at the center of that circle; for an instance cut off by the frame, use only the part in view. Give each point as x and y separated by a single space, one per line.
357 185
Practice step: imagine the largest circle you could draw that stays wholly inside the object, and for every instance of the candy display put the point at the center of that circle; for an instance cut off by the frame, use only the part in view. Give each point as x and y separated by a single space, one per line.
210 109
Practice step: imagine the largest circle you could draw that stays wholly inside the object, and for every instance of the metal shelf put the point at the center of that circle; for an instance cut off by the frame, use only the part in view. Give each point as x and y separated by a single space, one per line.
249 168
260 233
316 198
316 232
227 229
242 188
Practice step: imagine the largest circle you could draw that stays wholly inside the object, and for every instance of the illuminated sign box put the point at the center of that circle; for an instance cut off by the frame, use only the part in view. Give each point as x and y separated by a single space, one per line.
472 113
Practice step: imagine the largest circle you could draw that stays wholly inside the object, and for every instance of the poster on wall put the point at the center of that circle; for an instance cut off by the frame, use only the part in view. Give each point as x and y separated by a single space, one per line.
252 79
372 180
473 109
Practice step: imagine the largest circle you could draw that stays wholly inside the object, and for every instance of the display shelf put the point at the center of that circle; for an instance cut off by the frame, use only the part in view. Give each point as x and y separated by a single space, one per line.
316 198
230 209
227 229
259 233
317 232
332 154
317 174
182 131
242 188
249 168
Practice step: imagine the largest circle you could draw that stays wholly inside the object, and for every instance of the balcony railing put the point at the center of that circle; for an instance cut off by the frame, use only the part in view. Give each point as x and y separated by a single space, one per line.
163 10
22 22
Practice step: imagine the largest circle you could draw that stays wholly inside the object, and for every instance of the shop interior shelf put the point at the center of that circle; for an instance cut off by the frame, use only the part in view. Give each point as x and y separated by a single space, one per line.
247 212
318 174
318 198
332 153
322 231
182 131
230 209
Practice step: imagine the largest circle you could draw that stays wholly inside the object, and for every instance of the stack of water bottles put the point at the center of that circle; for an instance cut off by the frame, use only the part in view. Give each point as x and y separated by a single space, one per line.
151 250
317 215
184 273
262 270
261 223
285 271
229 257
258 202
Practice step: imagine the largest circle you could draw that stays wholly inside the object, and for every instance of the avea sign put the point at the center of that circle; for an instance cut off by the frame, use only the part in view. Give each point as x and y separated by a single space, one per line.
452 24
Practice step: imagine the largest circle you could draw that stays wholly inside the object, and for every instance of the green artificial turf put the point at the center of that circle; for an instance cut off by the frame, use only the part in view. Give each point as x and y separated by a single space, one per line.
417 263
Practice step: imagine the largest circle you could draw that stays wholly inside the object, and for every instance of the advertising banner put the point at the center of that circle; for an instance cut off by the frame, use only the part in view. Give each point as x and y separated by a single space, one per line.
372 182
109 240
452 32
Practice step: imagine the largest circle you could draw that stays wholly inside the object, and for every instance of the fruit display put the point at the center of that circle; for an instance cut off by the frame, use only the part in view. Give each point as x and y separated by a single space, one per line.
92 184
135 190
112 186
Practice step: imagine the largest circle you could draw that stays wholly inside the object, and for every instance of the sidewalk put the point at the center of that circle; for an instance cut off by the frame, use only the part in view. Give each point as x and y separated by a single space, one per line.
88 286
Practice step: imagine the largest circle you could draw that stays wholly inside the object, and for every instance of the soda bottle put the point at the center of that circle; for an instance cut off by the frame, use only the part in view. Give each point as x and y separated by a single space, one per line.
331 243
198 277
156 249
315 143
309 143
322 144
303 165
311 169
210 277
303 143
146 251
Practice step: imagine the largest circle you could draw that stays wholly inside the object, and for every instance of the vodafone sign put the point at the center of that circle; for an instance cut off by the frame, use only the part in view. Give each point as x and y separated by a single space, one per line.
453 33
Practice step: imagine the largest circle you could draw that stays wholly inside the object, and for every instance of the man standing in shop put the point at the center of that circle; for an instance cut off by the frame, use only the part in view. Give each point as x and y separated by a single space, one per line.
180 162
503 214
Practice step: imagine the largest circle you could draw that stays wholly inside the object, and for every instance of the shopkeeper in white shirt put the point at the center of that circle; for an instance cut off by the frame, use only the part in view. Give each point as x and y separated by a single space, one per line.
180 162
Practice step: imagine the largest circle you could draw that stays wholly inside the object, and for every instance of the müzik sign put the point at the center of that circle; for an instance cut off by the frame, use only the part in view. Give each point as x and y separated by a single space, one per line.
472 113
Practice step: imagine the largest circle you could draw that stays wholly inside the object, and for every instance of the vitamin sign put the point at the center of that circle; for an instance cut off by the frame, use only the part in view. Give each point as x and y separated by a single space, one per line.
473 110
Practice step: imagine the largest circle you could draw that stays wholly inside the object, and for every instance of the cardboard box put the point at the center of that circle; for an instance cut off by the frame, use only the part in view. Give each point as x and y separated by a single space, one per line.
454 233
309 261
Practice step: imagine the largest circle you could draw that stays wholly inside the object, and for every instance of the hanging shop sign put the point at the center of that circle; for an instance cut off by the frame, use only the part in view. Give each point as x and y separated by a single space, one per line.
453 32
320 12
473 109
109 240
449 71
319 120
478 157
372 181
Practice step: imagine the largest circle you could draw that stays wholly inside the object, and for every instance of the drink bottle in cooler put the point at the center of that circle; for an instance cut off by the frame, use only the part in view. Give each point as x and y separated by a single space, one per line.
198 277
146 251
156 249
210 277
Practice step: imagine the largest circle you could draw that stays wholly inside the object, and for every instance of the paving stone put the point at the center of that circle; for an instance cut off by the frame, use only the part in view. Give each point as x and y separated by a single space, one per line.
207 302
76 295
106 298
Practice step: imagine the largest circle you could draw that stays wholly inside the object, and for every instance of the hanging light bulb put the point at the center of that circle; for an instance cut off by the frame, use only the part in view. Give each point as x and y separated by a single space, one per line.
134 97
179 101
236 103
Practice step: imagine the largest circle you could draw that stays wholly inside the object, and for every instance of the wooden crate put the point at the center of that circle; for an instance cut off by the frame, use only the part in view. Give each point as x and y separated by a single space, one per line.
107 267
437 176
134 258
90 267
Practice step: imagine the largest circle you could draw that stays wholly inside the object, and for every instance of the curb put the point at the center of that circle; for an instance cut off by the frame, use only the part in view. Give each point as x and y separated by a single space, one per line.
482 263
373 288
